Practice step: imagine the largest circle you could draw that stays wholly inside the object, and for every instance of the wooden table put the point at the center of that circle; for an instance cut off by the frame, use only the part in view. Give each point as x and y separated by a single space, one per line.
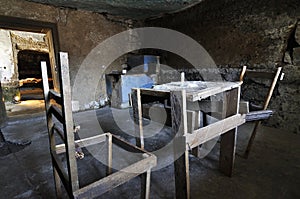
184 103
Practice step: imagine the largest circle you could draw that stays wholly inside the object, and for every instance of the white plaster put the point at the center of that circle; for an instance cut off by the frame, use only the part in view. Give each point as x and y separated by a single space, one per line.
6 57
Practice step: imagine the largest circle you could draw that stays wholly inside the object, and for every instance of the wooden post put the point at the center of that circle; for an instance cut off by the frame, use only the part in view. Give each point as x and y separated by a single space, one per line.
145 184
109 155
137 117
50 126
55 75
179 128
138 127
266 104
228 139
68 123
195 120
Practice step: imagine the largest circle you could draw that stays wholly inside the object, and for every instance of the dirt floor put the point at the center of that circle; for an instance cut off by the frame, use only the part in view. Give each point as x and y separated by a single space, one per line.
271 171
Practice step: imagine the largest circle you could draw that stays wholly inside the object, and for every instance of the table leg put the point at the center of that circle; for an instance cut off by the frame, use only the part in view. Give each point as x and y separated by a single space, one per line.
181 154
228 139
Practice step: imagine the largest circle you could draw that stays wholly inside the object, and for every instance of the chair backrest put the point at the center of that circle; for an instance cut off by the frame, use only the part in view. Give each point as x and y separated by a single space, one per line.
58 105
273 76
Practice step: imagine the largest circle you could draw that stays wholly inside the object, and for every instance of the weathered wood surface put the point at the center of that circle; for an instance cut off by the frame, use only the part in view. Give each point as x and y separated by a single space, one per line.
56 172
258 115
212 89
61 148
56 96
179 128
137 117
211 131
228 139
105 184
68 120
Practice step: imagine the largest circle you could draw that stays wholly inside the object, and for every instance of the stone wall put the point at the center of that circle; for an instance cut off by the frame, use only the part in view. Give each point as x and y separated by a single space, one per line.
260 34
79 31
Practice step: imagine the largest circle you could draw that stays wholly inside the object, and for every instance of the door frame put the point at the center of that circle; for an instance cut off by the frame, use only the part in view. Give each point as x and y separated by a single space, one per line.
50 29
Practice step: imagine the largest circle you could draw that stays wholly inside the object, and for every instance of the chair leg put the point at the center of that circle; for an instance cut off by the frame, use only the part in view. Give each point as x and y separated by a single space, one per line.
145 185
251 140
57 184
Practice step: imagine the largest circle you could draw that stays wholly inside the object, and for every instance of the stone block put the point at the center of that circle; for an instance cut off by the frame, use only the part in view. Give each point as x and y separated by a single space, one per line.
297 56
297 33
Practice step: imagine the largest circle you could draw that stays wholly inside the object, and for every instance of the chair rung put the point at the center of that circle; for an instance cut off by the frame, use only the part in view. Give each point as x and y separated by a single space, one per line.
55 95
56 111
60 170
59 132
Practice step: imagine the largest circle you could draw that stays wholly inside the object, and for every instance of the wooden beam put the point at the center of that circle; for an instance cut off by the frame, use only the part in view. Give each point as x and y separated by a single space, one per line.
206 106
137 116
58 166
213 88
56 96
258 115
61 148
68 120
211 131
228 139
50 126
56 111
108 183
179 128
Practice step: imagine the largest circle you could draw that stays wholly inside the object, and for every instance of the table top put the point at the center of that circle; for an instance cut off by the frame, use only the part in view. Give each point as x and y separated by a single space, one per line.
196 90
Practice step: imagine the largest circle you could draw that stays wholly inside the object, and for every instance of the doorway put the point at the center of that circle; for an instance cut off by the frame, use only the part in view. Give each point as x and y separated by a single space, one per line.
31 42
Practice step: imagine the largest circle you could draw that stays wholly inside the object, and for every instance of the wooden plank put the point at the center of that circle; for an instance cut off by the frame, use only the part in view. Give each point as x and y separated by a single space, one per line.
108 183
270 93
213 88
140 117
266 104
52 61
148 178
211 131
137 115
191 115
50 126
243 73
61 172
195 126
68 123
206 106
59 132
258 115
56 111
61 148
109 155
228 139
179 128
56 96
157 93
127 146
244 107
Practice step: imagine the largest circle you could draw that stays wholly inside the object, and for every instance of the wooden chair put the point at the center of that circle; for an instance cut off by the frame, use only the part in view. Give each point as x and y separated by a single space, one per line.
60 126
260 115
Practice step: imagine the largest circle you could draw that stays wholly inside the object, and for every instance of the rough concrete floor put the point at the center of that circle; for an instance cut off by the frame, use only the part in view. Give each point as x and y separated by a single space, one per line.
271 171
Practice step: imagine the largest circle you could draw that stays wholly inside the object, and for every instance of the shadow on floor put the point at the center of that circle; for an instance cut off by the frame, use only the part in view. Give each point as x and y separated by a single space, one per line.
271 171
